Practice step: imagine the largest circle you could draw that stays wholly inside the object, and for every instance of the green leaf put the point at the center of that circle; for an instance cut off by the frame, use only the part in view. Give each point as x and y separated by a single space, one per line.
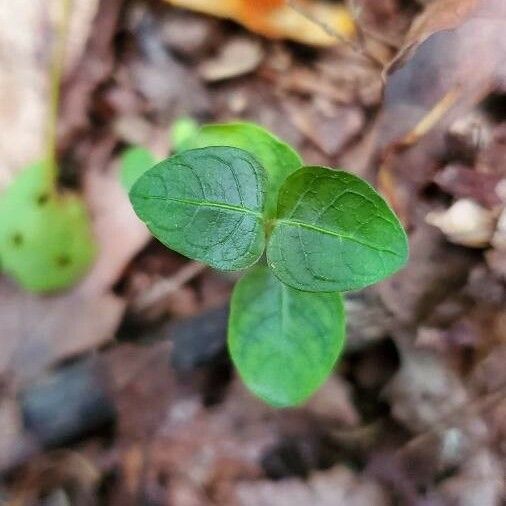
278 159
182 131
206 204
45 240
284 342
134 163
334 232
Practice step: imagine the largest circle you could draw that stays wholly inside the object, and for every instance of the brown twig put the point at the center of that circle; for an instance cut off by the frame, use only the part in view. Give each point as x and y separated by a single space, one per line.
386 179
164 287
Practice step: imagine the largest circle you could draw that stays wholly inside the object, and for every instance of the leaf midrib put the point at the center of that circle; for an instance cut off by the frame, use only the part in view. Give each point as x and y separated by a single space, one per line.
339 235
199 203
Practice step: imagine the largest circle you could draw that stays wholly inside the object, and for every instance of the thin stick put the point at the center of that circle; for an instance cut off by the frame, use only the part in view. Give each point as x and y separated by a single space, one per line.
56 72
431 119
161 289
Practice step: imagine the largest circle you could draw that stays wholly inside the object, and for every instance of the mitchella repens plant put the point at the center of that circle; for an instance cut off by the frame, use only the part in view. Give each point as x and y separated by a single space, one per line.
235 194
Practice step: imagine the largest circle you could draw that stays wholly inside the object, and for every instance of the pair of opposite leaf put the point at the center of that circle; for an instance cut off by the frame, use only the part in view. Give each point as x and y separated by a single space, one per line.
234 191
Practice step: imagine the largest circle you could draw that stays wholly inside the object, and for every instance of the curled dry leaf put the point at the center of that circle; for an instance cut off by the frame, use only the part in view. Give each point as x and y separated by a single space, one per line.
279 19
438 15
464 56
447 70
465 222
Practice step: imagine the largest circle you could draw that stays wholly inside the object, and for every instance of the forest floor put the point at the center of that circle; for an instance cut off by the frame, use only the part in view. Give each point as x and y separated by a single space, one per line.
121 391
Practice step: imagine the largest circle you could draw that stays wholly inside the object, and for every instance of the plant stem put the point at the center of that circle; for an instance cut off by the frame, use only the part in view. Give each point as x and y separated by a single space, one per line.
56 72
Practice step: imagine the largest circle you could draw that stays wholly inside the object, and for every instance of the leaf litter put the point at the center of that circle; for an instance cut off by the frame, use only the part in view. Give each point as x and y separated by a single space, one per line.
428 430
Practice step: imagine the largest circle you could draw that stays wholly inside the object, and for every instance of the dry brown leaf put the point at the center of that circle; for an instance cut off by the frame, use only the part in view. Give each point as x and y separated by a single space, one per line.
329 132
438 15
435 269
447 73
465 222
424 391
479 483
15 445
119 233
238 57
468 58
337 486
37 332
333 402
278 20
463 182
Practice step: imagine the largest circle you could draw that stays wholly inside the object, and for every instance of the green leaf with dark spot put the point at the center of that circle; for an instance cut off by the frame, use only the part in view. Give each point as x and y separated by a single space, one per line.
45 239
134 163
334 232
278 159
284 342
206 204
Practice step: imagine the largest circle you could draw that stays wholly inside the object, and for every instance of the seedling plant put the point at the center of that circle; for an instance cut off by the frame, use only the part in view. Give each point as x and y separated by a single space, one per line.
235 197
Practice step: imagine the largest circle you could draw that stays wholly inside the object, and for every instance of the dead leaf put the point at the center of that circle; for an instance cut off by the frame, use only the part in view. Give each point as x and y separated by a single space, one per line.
337 486
435 270
479 483
448 72
424 390
331 131
37 332
464 182
333 402
278 20
118 231
465 222
238 57
439 15
15 445
465 27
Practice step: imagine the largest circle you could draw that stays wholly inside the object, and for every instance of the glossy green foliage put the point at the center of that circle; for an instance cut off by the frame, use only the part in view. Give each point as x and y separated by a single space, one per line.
45 239
326 231
206 204
334 232
284 342
134 162
278 159
182 131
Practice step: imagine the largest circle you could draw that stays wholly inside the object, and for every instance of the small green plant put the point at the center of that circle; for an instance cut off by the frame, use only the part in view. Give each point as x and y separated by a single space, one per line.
235 192
46 242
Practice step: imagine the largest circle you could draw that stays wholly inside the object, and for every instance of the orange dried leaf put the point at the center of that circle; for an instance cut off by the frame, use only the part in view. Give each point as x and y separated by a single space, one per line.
279 20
